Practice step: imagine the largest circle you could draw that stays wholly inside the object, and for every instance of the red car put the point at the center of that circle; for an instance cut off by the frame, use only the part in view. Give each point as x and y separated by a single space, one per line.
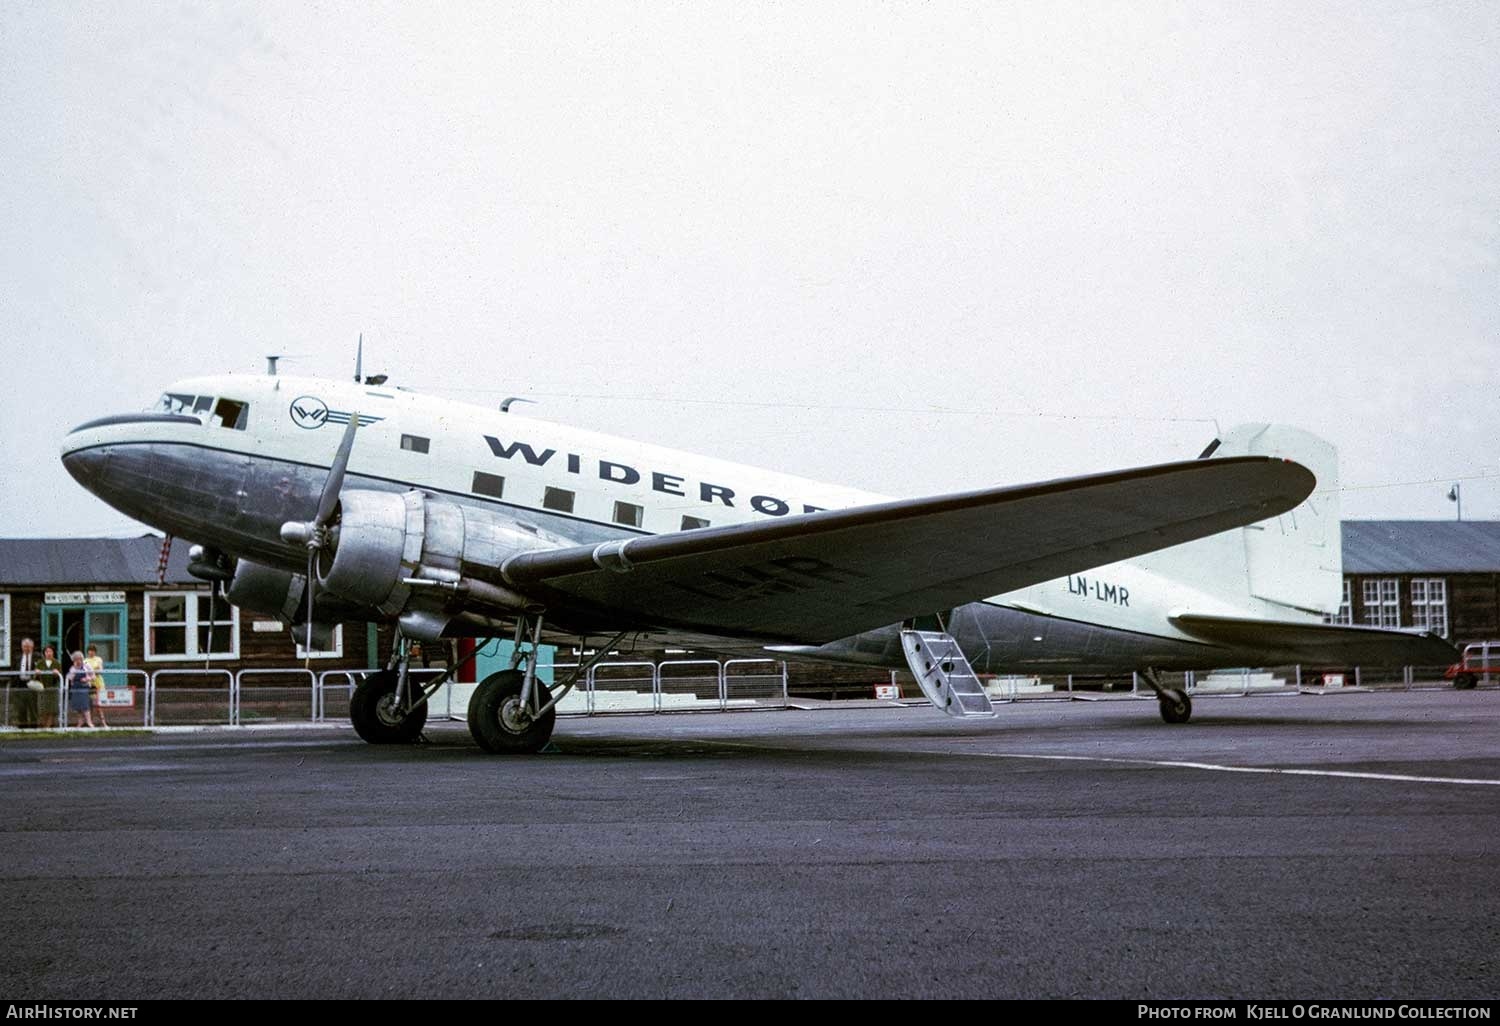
1482 657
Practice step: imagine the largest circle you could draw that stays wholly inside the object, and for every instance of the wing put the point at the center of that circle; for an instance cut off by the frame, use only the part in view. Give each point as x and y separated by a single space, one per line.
1322 644
827 575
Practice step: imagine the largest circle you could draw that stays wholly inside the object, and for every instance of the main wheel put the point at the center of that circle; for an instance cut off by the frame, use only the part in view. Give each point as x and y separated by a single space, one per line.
372 710
1464 681
1176 706
500 724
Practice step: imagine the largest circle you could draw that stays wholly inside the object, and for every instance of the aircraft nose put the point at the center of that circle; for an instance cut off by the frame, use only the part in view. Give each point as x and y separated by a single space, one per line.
86 465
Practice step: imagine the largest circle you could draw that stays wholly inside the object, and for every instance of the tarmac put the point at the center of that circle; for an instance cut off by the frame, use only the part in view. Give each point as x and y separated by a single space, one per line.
1291 846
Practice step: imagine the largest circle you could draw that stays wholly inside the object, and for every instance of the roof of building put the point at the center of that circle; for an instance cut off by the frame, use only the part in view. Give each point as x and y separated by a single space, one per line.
88 561
1370 546
1421 546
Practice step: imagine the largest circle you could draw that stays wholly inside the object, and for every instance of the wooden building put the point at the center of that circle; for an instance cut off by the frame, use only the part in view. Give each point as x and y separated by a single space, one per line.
1441 575
142 612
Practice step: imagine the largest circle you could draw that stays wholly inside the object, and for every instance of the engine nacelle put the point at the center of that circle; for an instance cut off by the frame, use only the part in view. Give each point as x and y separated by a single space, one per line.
264 589
384 540
282 594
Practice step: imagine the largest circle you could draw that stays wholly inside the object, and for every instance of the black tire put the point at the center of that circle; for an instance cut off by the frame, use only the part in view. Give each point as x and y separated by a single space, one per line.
1176 706
492 716
1464 682
372 711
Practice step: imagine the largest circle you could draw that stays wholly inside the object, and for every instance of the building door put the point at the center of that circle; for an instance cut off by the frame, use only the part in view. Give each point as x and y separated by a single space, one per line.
74 628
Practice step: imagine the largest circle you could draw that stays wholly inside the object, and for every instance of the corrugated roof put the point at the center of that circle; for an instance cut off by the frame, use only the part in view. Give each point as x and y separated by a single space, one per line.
89 561
1421 546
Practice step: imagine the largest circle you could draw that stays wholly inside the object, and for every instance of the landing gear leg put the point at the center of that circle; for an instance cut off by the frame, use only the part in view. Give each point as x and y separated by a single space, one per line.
1176 706
506 711
388 707
379 708
512 712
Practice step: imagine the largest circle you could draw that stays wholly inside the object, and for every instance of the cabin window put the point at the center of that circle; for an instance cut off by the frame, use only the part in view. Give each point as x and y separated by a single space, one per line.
559 499
416 443
628 513
492 485
178 627
231 413
1429 604
693 523
203 404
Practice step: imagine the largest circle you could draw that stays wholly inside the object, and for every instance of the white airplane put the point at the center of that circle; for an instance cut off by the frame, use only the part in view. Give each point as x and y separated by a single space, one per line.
454 520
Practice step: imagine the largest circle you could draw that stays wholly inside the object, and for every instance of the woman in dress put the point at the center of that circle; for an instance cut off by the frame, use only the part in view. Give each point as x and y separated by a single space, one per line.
80 690
96 667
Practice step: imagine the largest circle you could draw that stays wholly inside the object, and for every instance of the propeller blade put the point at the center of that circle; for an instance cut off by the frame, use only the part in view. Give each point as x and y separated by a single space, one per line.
312 584
335 480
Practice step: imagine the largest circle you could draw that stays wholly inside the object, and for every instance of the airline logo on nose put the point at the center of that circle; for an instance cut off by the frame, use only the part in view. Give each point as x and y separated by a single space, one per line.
309 412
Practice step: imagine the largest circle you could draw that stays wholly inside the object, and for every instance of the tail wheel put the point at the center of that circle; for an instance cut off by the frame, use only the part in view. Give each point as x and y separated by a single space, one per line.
499 722
1464 681
1176 706
375 716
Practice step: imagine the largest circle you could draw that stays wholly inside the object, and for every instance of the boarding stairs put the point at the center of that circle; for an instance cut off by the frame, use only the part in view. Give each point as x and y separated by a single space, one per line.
944 674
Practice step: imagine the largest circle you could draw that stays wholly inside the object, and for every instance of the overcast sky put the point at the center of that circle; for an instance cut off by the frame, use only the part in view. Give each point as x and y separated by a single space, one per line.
909 248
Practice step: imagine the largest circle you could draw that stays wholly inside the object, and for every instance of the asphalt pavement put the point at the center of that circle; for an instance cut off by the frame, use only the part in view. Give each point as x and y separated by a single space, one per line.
1292 846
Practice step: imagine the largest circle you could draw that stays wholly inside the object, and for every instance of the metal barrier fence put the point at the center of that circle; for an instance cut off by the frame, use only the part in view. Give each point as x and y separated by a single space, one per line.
125 700
195 696
295 700
24 706
689 683
209 702
623 687
755 682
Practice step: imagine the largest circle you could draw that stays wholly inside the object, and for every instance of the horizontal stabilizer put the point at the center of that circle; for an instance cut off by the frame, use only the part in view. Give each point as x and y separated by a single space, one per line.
827 575
1291 641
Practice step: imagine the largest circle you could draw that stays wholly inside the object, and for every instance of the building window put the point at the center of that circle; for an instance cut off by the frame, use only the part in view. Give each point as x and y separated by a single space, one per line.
1382 602
1429 604
4 630
559 499
1345 615
628 513
336 652
416 443
492 485
178 627
693 523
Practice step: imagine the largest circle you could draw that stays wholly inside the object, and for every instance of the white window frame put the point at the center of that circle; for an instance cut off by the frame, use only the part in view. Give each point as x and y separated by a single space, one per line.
1345 615
5 647
191 626
1423 608
1384 608
337 652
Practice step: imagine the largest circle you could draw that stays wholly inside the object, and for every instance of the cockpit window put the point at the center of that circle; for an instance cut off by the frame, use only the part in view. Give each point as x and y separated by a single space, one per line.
231 413
175 402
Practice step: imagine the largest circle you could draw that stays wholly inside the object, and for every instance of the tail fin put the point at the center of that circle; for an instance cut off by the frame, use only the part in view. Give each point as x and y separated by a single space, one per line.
1292 562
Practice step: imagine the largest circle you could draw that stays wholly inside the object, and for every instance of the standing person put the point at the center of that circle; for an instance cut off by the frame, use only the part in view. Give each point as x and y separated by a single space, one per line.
52 673
24 698
80 686
96 667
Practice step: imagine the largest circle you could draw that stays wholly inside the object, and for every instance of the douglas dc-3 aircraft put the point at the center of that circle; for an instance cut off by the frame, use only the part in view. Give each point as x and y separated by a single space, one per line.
452 520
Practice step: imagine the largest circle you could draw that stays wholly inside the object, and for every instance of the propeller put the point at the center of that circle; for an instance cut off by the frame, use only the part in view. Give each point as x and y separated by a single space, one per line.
314 533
